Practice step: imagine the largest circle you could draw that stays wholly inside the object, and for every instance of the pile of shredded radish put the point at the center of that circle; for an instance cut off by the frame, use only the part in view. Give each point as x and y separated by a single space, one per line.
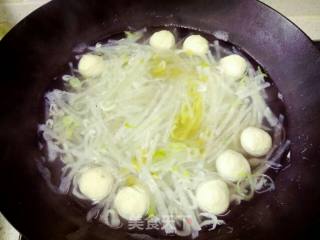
156 118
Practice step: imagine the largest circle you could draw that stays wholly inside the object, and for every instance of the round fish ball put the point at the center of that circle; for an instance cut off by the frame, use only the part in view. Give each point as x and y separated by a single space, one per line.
131 203
196 44
232 166
162 40
256 141
95 183
233 66
213 196
91 65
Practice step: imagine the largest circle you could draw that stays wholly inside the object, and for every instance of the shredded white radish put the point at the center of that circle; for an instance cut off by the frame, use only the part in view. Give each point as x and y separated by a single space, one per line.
158 119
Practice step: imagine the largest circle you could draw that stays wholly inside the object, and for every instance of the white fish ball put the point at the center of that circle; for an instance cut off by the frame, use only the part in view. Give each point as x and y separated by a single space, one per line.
233 66
196 44
95 183
232 166
162 40
131 203
255 141
213 196
91 65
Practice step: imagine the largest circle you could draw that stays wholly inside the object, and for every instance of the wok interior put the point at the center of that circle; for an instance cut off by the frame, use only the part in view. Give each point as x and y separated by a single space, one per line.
274 102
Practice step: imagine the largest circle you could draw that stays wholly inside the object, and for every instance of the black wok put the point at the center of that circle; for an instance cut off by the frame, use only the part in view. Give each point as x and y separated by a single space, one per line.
37 51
